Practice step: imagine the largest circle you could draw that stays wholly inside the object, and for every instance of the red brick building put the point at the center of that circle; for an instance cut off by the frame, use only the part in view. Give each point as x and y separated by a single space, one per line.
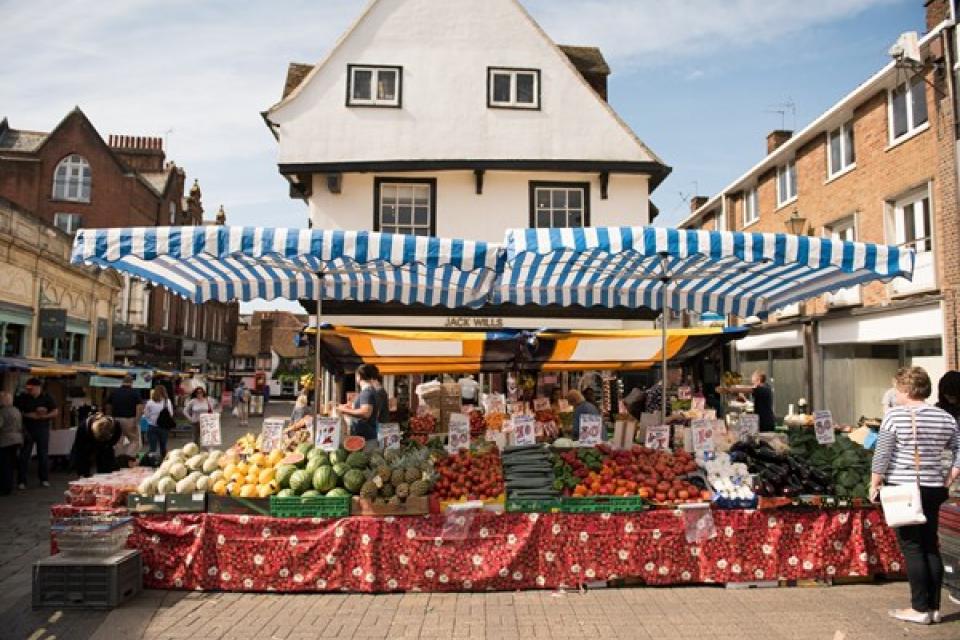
878 166
71 177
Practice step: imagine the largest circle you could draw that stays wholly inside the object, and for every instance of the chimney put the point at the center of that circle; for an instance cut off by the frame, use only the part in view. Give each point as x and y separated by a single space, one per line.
266 335
141 153
697 201
937 11
776 138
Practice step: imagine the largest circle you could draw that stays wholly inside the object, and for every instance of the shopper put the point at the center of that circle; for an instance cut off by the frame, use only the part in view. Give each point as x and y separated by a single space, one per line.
581 407
37 409
889 399
198 405
469 390
95 443
902 458
266 396
948 393
763 401
124 406
11 438
300 408
363 412
655 395
156 433
383 401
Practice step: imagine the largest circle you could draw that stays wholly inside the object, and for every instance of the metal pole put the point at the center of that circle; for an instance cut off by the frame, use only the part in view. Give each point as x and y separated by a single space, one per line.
317 370
664 314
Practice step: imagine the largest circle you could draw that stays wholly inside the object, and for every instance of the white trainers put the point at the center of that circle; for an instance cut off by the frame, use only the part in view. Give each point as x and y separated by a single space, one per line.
45 483
911 615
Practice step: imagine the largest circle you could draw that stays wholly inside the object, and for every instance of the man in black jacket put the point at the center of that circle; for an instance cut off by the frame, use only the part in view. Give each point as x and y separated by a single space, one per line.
95 442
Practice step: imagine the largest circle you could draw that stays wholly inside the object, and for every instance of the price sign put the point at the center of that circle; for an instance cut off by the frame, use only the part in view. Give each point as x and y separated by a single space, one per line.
698 403
823 426
327 435
702 431
497 437
271 434
518 408
541 404
748 426
210 430
524 430
658 437
684 393
591 430
458 432
494 403
389 435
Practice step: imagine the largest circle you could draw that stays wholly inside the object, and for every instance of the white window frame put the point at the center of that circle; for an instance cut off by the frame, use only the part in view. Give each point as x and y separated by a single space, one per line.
848 150
787 168
538 187
512 73
413 186
72 179
913 128
751 206
374 100
924 274
67 222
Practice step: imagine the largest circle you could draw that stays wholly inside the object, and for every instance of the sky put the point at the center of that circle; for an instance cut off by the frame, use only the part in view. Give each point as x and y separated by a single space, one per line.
700 81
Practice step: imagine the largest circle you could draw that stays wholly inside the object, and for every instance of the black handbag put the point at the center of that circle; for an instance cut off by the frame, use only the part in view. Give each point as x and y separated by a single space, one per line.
165 419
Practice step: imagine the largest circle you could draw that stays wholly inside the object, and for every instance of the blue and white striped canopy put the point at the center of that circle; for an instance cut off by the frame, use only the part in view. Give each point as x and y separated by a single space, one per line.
224 263
744 274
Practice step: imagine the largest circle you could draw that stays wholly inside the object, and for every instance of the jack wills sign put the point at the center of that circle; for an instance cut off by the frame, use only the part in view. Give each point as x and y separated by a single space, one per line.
463 322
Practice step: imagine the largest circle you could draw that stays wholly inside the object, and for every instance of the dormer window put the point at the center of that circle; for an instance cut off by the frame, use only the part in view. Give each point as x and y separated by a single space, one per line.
513 88
373 86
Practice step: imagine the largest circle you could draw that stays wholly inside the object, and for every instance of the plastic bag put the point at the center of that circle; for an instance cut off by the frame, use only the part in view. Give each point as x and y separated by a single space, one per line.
459 519
698 524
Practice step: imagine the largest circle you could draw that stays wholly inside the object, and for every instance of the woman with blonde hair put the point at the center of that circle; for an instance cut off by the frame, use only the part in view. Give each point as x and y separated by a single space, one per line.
156 434
912 438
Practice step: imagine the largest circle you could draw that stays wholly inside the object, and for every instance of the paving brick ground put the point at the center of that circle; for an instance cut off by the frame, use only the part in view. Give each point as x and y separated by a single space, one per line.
831 613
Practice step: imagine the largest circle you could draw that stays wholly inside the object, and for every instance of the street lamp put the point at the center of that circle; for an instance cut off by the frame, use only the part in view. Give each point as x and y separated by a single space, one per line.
796 224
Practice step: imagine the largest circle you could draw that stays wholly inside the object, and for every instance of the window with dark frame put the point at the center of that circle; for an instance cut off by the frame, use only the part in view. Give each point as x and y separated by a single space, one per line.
374 86
406 206
557 205
513 88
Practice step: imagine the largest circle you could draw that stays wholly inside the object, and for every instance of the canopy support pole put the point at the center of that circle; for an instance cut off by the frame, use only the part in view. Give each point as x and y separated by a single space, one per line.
317 369
664 315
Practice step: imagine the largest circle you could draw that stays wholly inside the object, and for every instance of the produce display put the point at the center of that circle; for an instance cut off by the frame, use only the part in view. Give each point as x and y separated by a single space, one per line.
495 420
731 482
470 475
547 425
776 474
528 473
478 425
190 470
297 433
422 427
660 476
845 463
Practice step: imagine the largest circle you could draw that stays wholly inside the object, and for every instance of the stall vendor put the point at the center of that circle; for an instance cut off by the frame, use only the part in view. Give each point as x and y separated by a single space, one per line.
656 396
581 407
364 410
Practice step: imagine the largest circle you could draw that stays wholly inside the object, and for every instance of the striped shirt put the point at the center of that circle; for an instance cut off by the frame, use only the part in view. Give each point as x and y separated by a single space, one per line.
936 431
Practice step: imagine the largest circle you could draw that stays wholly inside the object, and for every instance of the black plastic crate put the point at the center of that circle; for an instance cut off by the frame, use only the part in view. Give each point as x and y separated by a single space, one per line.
87 583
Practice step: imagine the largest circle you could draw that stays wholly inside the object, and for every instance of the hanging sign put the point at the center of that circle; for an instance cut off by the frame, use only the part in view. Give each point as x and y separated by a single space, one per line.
518 408
210 430
458 432
271 434
748 426
702 431
591 430
541 404
389 435
658 437
327 435
684 393
823 426
524 430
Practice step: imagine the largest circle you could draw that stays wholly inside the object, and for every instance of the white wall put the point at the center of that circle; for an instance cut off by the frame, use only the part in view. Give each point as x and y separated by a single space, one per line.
461 213
445 47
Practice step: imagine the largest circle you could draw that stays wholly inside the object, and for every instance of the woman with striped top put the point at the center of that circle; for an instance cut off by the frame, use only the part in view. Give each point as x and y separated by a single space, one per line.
894 463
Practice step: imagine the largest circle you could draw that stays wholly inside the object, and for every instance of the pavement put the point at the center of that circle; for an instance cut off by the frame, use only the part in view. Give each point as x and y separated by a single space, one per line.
830 613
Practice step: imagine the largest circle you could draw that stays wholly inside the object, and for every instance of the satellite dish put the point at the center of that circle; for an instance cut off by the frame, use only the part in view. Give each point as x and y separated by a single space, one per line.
906 48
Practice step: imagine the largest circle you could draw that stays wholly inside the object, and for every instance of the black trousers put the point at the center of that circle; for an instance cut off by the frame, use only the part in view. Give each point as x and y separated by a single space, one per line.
9 459
921 550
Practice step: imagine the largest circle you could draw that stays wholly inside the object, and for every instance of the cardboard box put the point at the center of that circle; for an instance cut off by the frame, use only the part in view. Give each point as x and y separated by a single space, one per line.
414 506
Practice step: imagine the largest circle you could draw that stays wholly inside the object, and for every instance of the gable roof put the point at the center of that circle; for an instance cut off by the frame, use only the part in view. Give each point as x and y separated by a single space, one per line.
20 140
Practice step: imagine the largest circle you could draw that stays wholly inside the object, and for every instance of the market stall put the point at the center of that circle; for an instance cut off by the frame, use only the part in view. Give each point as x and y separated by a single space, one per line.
276 512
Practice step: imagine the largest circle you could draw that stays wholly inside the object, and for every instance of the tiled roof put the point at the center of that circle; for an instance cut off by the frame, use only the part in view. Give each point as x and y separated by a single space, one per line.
248 342
156 179
22 141
296 72
586 59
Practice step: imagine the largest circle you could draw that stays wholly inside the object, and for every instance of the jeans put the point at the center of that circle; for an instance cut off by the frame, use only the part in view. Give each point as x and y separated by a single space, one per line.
921 550
41 436
157 437
8 468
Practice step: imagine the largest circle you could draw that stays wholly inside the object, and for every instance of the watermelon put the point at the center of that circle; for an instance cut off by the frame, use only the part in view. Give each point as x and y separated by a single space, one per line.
312 465
300 481
338 492
340 455
357 460
295 459
324 479
311 493
286 493
319 454
353 480
304 448
354 443
340 469
282 475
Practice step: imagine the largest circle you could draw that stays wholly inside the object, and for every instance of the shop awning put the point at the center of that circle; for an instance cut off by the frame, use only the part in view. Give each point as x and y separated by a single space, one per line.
343 349
244 263
38 368
744 274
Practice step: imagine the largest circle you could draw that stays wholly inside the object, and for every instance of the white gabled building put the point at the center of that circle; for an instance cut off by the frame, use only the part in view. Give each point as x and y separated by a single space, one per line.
459 118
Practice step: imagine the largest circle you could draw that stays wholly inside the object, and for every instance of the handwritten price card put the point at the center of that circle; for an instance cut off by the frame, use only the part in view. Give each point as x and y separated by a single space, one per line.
210 430
458 432
591 430
823 426
327 436
702 431
524 430
390 435
271 434
658 437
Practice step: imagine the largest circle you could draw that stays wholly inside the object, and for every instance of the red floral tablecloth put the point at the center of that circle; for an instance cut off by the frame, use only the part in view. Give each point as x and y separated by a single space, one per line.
506 551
